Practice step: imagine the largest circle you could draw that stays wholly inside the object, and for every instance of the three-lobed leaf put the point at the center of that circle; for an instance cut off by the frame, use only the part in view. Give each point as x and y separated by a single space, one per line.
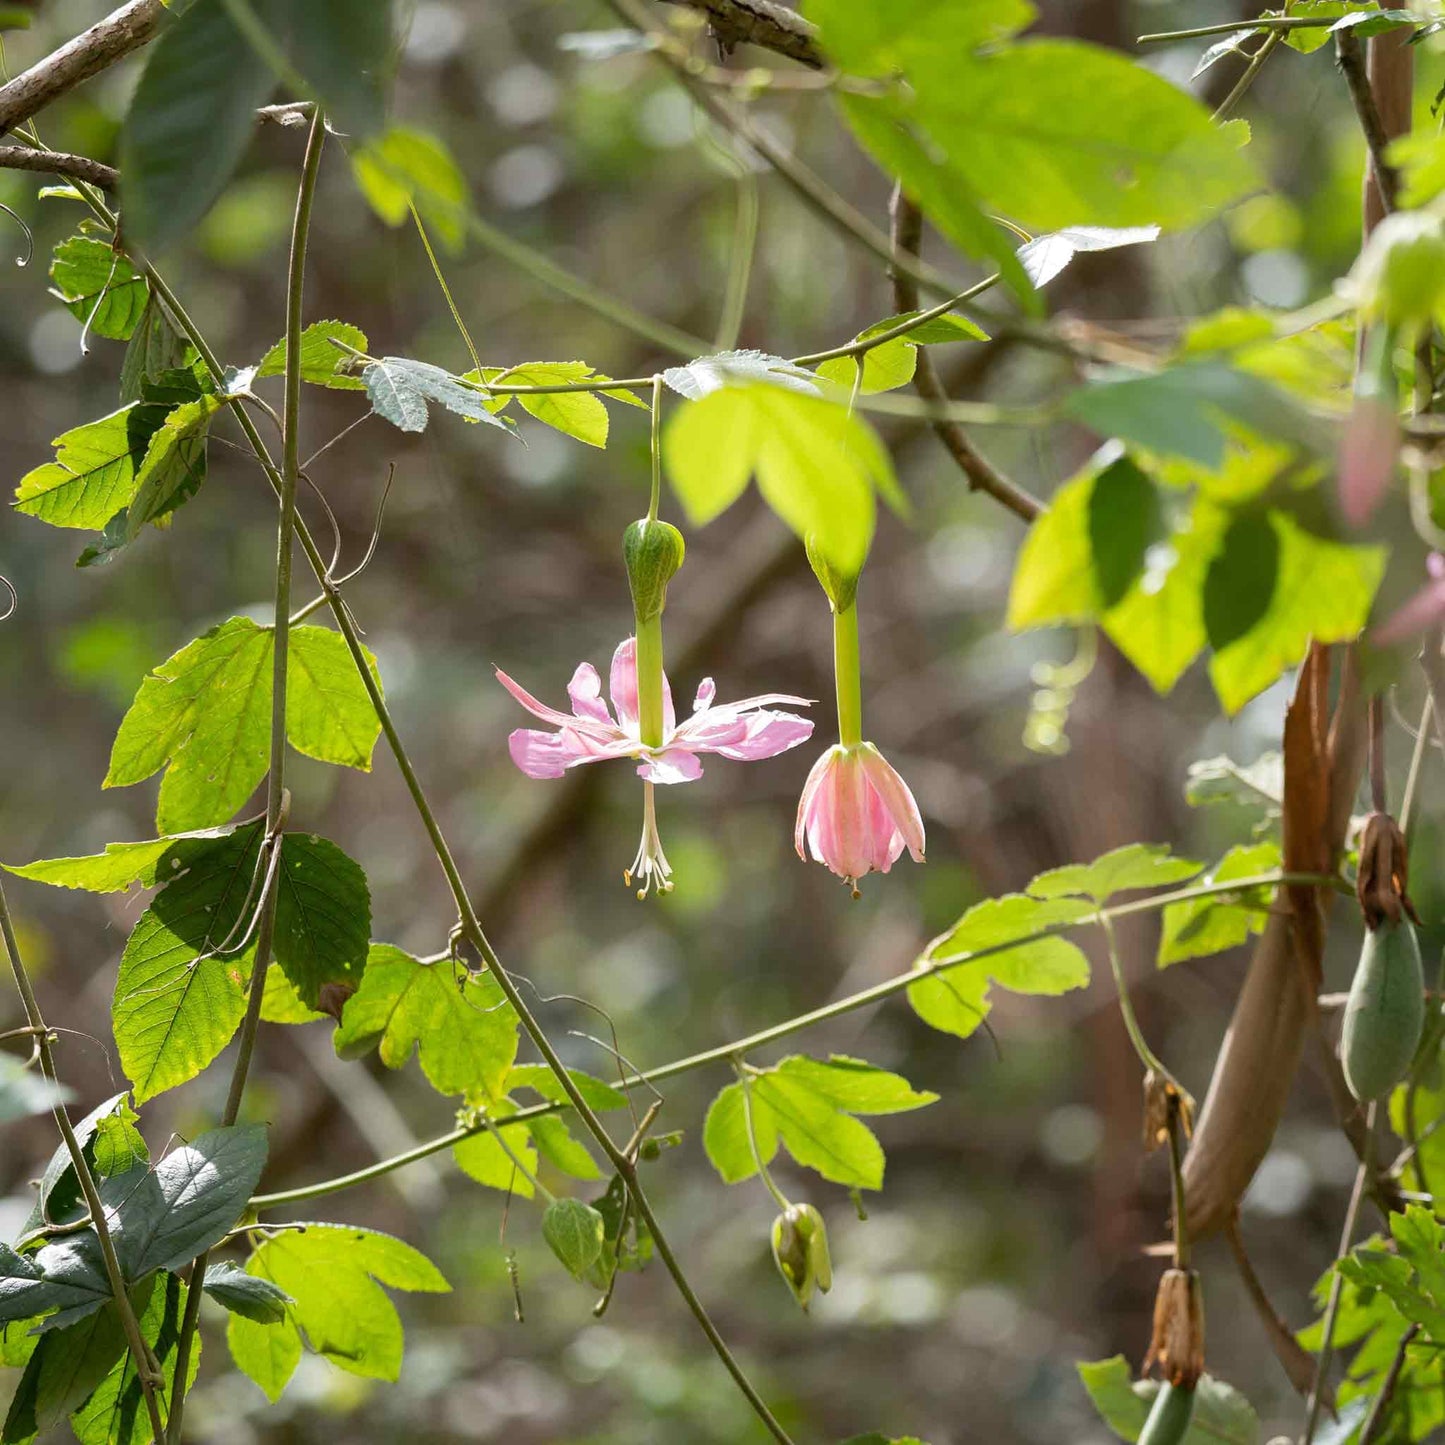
1135 865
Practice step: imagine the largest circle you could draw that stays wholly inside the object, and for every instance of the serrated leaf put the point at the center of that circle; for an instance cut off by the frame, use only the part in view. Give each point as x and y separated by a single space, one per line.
406 167
58 1199
321 362
323 916
122 864
190 120
174 465
574 1232
165 1214
400 389
70 1363
99 287
725 1135
204 715
481 1157
539 1078
155 347
67 1276
817 466
1135 865
561 1149
95 471
177 1000
1046 965
115 1414
1203 926
708 374
331 1273
246 1294
460 1024
577 414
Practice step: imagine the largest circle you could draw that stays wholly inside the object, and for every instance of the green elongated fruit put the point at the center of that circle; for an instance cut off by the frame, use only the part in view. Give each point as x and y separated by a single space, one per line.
1168 1421
1385 1013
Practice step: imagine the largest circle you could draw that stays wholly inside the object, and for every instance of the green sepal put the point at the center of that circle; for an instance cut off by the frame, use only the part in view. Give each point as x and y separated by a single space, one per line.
842 589
653 552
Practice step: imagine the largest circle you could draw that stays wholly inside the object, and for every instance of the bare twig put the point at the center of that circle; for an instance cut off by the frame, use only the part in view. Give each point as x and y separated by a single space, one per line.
107 41
760 22
59 163
982 475
1351 58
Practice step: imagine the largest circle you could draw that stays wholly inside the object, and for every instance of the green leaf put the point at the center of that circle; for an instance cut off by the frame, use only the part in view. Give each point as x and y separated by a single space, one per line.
321 362
540 1079
808 1104
459 1023
1321 590
122 864
96 469
1258 786
1135 865
190 121
708 374
400 389
331 1272
877 40
174 465
481 1157
329 714
578 414
408 167
108 1149
574 1232
155 347
115 1414
952 1000
205 716
342 49
816 465
99 287
1222 1416
1086 553
70 1363
323 916
163 1215
67 1276
891 364
177 999
246 1294
725 1135
561 1149
1210 925
1049 965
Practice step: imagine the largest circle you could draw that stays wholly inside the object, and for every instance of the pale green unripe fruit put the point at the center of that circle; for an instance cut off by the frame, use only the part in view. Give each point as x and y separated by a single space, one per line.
653 552
1168 1421
1385 1013
800 1250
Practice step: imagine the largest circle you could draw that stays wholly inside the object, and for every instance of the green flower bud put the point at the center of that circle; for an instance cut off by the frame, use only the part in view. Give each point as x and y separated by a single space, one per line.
842 589
1400 277
653 552
800 1248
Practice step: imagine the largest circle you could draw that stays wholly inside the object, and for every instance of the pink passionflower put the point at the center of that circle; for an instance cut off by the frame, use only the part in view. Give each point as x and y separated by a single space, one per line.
746 730
857 814
1424 610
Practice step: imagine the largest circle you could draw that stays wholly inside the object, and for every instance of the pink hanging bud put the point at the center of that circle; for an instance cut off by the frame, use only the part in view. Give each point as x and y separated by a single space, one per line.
1426 609
857 814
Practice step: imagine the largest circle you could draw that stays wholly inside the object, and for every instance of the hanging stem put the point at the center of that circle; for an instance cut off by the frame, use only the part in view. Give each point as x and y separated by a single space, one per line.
1378 797
656 437
847 673
1147 1056
746 1084
277 798
146 1371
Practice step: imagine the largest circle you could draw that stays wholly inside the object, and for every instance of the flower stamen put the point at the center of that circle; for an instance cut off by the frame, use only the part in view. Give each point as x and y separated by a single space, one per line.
650 866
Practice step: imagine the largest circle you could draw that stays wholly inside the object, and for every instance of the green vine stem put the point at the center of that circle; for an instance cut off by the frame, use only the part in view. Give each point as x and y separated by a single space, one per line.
776 1033
746 1084
1147 1056
1277 23
277 798
146 1371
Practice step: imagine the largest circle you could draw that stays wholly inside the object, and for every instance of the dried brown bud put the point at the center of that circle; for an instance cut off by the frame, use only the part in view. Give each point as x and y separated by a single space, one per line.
1383 882
1177 1346
331 998
1162 1096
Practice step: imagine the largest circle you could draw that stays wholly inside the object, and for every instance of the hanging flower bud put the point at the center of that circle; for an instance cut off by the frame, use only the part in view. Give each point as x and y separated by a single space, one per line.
1177 1346
800 1248
1399 279
653 552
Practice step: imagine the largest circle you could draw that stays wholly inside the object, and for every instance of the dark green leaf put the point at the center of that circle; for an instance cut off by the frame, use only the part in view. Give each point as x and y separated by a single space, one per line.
155 347
342 49
246 1294
189 123
73 1361
323 916
67 1276
1240 582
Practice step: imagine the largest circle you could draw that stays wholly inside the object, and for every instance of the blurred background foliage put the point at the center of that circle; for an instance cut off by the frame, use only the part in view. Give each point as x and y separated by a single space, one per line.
1006 1243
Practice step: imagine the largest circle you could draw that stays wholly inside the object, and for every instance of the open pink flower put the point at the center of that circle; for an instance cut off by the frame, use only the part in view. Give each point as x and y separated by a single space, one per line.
857 814
1424 610
746 730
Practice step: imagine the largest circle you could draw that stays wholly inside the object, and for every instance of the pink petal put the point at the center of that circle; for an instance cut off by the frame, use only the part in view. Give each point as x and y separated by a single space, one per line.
808 803
546 755
768 699
706 691
551 715
1425 609
671 765
623 684
766 735
1367 458
585 690
897 798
